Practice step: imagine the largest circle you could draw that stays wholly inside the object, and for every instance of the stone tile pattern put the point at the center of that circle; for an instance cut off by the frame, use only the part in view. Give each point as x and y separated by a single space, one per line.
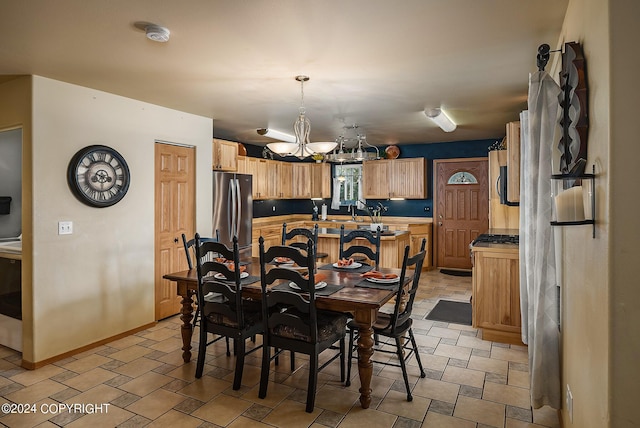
470 382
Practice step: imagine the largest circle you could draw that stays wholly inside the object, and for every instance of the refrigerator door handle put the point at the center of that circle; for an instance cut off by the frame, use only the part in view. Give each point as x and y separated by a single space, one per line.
231 210
239 207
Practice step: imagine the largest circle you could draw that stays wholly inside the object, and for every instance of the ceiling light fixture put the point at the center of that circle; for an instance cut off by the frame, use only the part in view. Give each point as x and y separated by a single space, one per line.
157 33
357 153
441 119
301 147
277 135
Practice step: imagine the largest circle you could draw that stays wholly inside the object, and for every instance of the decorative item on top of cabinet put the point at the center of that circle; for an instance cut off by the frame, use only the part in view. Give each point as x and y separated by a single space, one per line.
225 155
403 178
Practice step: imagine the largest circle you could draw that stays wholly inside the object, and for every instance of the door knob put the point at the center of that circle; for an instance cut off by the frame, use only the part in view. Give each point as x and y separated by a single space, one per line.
175 240
440 223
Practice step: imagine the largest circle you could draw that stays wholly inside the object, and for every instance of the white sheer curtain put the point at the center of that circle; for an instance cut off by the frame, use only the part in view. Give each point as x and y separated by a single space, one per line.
361 202
538 289
335 199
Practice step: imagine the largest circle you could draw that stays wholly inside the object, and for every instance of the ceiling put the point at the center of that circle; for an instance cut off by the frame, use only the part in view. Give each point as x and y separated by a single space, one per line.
374 63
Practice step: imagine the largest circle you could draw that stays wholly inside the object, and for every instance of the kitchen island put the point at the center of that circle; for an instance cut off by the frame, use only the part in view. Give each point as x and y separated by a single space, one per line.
392 244
402 231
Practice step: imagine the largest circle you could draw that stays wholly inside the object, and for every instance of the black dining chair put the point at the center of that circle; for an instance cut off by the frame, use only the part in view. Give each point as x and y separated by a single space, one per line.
189 249
306 234
189 246
347 251
223 311
397 325
292 321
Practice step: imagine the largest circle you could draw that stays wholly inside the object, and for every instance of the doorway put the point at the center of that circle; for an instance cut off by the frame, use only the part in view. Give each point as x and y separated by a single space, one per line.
174 215
11 238
461 209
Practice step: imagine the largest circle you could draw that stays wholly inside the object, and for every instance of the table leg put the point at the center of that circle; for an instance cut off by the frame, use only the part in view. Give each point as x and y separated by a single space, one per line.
186 316
365 319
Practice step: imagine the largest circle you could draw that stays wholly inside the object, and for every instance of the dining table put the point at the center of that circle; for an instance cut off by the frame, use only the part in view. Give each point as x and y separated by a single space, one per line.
347 291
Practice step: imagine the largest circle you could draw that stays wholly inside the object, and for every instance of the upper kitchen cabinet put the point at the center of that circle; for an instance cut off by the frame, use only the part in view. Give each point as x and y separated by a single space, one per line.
301 185
320 180
394 178
513 161
225 155
501 216
311 180
284 178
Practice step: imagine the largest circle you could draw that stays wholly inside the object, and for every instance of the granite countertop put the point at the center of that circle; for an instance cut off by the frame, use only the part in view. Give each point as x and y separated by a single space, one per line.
336 231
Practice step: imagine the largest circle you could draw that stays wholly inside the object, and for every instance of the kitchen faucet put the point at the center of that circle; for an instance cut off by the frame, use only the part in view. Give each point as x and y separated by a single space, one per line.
354 214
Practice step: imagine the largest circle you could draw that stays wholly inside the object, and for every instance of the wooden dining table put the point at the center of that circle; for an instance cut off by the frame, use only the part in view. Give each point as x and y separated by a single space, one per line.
354 297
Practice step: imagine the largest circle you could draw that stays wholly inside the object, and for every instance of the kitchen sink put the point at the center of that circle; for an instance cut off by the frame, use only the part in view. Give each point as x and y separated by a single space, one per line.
347 221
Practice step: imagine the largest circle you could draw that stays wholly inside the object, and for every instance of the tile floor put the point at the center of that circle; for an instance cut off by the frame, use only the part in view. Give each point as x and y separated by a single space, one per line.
470 383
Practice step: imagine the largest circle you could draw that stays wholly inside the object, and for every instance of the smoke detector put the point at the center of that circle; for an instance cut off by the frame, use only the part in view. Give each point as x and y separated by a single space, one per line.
157 33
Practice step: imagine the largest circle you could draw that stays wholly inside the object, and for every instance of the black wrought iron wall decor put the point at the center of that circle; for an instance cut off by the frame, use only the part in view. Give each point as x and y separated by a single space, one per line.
575 118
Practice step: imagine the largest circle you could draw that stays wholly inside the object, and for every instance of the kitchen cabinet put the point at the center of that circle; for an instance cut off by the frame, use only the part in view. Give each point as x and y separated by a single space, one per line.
500 216
513 161
301 185
225 155
394 178
496 292
284 178
418 231
320 180
311 180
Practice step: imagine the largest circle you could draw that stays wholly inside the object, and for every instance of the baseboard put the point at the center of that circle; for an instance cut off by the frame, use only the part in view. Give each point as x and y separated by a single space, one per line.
30 365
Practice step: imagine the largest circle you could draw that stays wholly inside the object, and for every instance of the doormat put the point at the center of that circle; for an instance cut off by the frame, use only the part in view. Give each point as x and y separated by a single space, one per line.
455 272
451 312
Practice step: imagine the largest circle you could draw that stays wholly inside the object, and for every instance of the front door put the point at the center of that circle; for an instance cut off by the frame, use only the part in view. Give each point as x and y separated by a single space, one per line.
462 209
174 215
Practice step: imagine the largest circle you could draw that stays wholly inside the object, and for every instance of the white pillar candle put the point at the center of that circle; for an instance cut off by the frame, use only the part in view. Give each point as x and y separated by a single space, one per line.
570 205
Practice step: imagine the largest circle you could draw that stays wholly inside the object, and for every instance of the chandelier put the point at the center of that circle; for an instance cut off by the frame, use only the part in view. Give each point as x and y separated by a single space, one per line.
302 147
358 152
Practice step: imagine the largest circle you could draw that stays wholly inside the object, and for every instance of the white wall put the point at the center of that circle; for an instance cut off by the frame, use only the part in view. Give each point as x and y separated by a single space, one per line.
98 282
601 286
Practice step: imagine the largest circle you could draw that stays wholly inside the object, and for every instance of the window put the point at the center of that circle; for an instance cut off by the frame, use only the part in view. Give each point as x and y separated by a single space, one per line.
350 180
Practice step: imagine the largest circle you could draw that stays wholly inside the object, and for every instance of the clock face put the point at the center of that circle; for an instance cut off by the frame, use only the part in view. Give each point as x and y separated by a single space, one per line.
98 176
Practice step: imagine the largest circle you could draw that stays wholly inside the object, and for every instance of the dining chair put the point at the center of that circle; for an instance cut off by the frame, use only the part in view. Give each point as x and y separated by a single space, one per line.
223 310
189 248
373 238
292 321
306 234
397 325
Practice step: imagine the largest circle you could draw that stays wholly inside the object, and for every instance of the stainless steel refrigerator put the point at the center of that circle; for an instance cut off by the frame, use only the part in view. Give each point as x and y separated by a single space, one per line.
233 209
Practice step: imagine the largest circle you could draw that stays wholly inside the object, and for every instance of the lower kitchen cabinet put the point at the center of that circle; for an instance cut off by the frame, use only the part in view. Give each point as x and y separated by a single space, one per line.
496 293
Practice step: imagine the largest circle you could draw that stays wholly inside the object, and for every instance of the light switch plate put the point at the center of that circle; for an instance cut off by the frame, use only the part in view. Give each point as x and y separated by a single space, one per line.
65 227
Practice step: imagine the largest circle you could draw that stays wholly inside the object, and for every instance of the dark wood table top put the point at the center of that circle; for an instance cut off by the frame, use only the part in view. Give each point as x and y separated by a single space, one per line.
350 297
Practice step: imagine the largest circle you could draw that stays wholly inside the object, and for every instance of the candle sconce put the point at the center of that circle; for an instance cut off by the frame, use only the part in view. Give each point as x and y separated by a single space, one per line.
574 200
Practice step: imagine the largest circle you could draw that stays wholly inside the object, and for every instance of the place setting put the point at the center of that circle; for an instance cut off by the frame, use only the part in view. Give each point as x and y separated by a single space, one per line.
379 280
245 278
347 265
322 288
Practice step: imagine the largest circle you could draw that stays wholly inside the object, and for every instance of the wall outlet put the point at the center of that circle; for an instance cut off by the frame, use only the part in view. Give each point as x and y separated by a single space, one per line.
569 403
274 208
65 227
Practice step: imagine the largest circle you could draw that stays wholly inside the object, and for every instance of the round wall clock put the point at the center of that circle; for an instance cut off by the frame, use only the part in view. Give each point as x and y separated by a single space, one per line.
98 176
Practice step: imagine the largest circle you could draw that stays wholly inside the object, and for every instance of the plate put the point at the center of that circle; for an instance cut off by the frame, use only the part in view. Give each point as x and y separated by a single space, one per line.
354 265
221 276
392 152
282 261
319 285
382 280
